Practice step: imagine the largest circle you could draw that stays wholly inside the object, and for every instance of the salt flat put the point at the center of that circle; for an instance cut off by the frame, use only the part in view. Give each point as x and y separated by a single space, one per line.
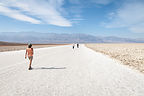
131 54
62 71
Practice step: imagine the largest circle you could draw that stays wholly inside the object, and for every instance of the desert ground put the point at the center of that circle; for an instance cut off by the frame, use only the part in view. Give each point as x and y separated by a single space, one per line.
63 71
15 47
131 54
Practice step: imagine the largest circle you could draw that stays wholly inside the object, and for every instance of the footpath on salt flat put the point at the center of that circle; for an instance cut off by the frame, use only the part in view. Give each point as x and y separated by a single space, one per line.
62 71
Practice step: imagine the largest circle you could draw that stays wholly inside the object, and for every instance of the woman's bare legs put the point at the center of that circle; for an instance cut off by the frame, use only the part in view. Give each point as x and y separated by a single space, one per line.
30 64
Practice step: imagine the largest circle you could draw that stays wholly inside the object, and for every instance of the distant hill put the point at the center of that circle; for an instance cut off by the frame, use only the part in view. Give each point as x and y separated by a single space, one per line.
9 44
37 38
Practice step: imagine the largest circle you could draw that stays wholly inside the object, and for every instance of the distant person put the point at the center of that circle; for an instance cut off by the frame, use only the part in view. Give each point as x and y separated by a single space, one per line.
77 45
73 46
29 53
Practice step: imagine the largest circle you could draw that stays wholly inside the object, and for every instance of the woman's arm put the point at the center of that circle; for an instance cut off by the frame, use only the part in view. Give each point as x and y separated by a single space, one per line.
32 51
26 54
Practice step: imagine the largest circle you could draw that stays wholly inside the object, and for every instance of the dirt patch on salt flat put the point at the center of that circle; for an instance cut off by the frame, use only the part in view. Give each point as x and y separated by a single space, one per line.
23 47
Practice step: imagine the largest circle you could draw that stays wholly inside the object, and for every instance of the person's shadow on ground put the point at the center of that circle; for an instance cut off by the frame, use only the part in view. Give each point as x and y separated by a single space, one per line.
48 68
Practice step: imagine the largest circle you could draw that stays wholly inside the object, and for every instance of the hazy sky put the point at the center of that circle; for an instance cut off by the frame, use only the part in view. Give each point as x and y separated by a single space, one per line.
124 18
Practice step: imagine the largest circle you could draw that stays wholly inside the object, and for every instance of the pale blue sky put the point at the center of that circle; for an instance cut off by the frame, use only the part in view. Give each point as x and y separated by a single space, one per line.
123 18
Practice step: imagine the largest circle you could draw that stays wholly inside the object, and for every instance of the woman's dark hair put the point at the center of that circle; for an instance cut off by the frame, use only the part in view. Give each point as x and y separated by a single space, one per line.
29 45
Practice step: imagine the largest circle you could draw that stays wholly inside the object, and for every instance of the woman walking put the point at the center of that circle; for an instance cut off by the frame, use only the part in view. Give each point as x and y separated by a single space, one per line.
29 53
